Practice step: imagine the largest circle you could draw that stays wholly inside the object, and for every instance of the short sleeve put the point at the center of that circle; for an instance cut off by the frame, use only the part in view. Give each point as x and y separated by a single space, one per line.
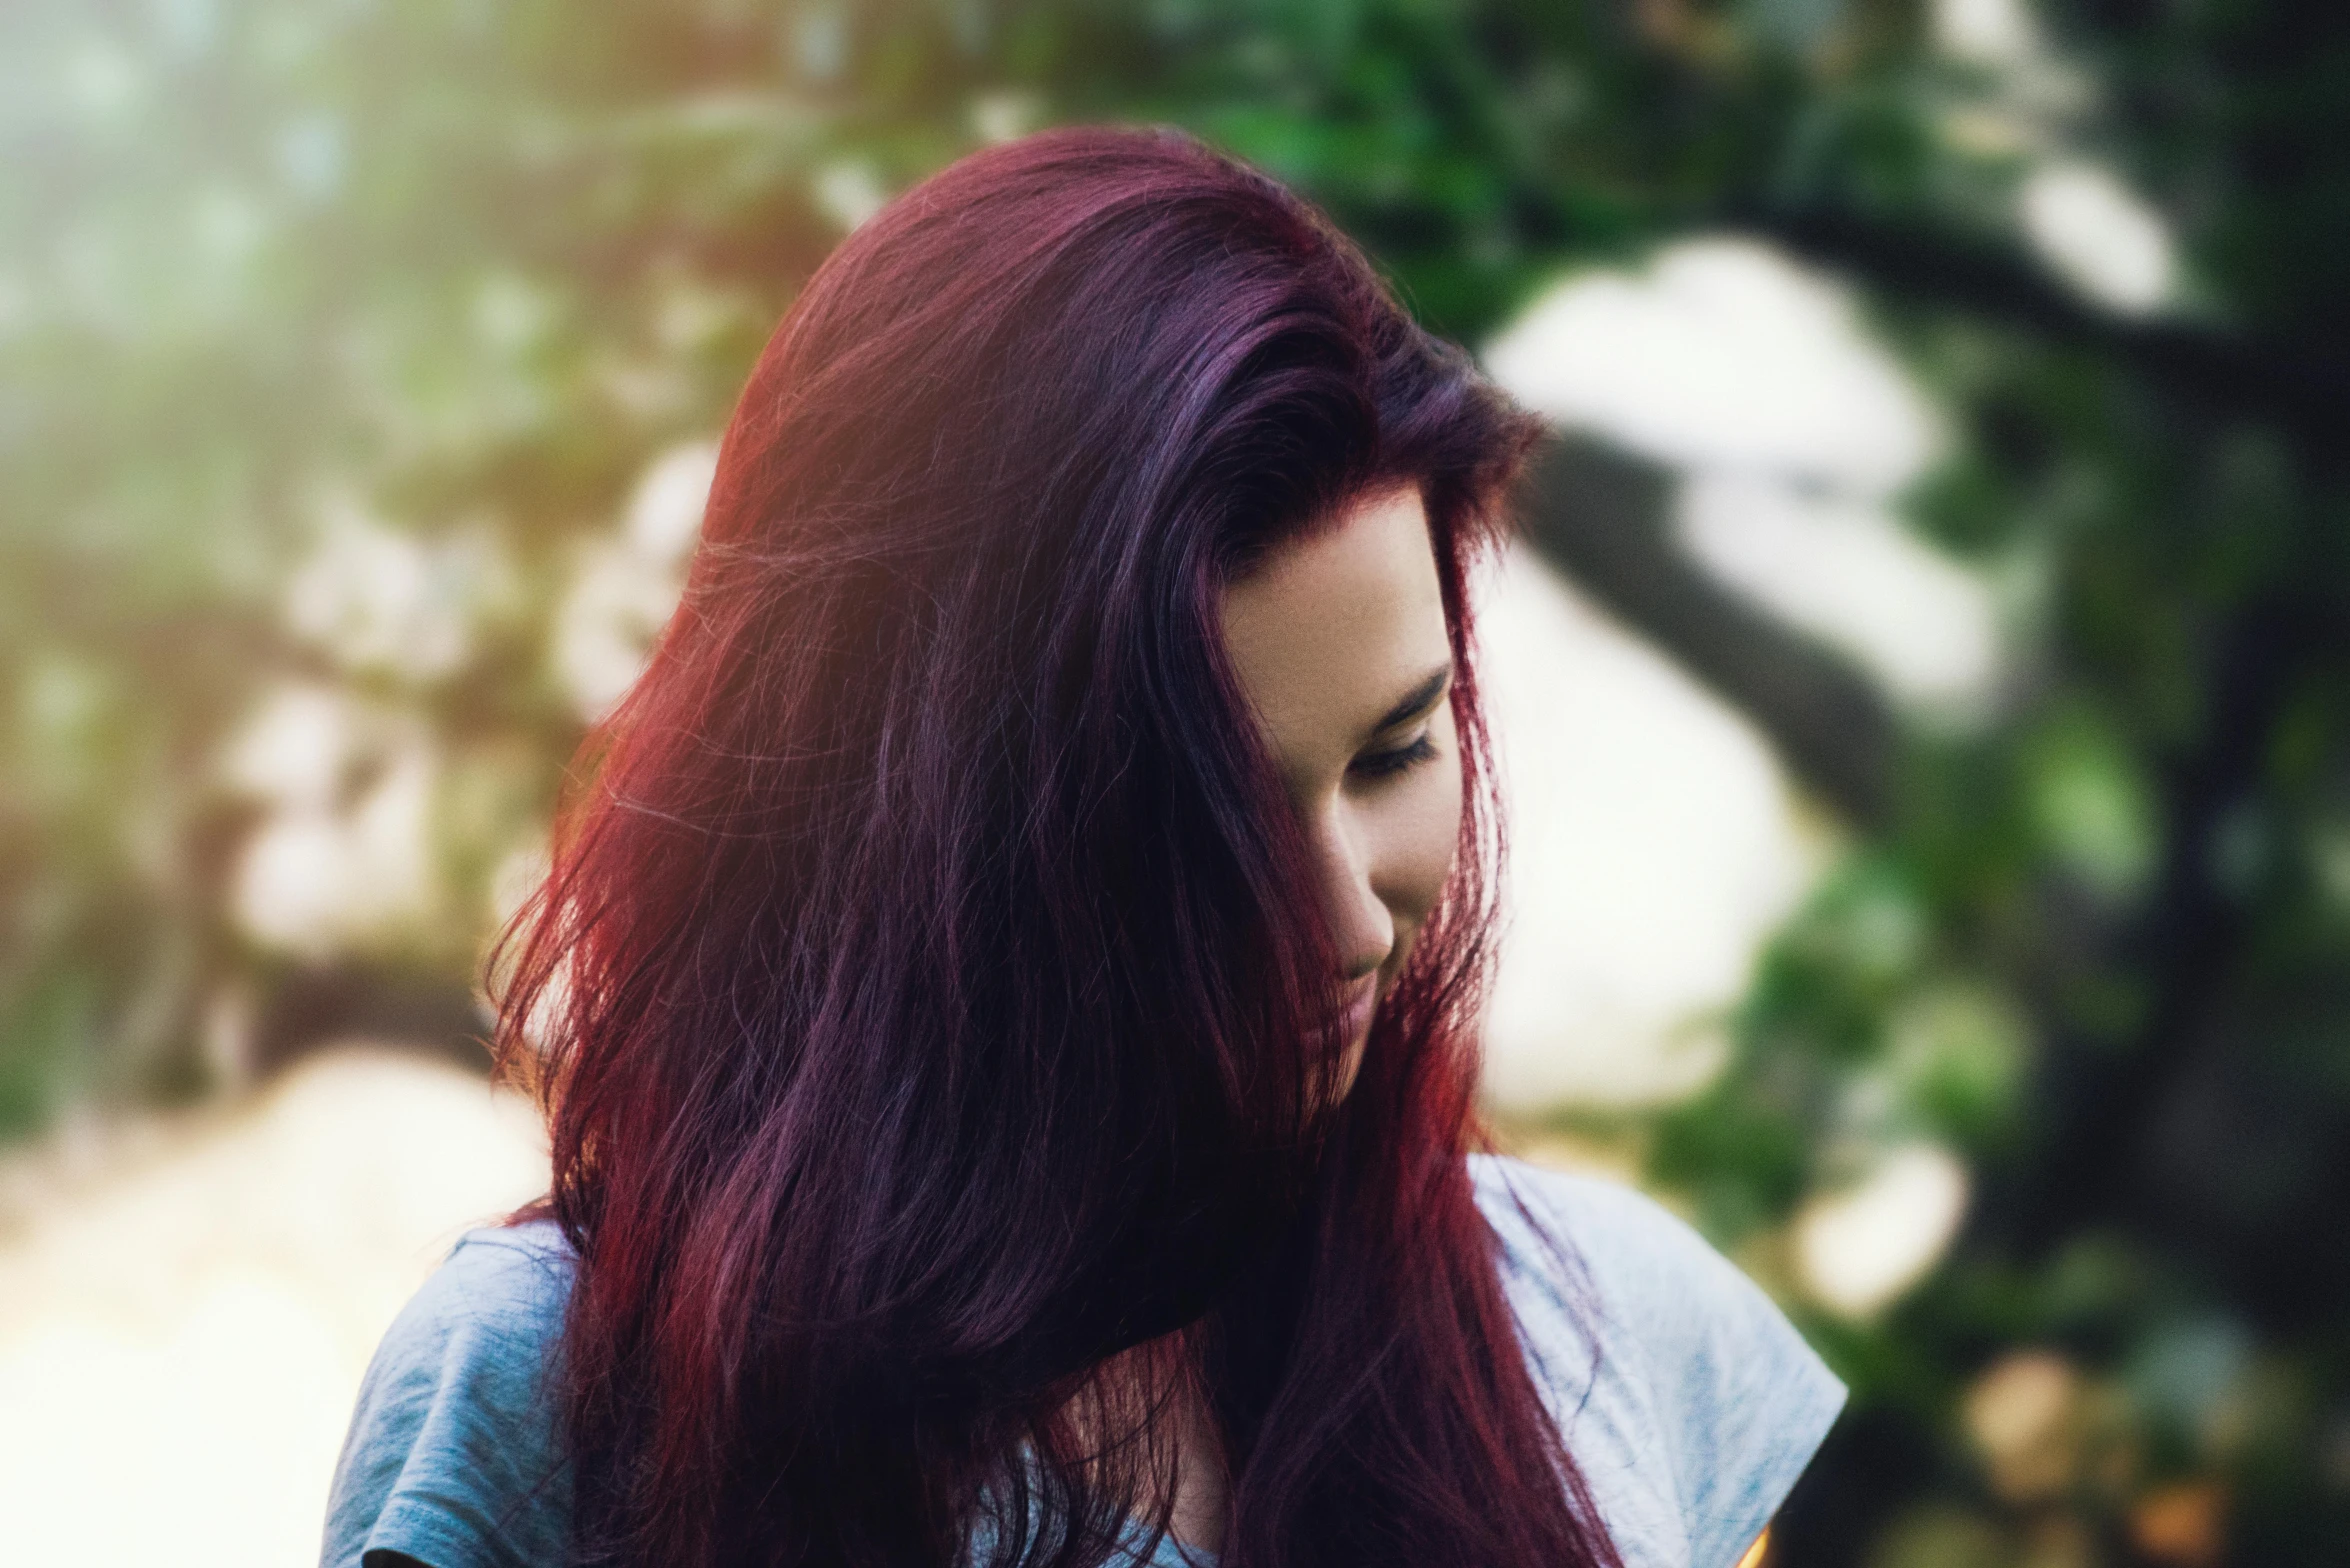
1688 1400
451 1457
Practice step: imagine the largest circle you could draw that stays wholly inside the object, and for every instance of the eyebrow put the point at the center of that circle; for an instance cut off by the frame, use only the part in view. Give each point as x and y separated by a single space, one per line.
1416 701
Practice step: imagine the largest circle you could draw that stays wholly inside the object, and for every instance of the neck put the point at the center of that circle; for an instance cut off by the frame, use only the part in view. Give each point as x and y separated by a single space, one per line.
1202 1481
1153 1394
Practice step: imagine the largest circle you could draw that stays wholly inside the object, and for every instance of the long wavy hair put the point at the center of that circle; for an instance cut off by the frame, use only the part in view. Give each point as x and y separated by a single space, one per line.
930 998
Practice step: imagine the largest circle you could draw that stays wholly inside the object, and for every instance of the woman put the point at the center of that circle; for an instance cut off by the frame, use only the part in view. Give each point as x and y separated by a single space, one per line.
1005 1005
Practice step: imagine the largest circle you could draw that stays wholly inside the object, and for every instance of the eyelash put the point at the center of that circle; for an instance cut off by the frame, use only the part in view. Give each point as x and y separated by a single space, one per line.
1386 764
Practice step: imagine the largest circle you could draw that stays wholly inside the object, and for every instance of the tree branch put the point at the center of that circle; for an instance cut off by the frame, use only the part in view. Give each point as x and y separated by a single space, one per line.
1599 516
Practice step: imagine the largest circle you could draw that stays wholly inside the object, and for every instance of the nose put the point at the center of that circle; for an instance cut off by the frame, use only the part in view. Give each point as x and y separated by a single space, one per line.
1362 927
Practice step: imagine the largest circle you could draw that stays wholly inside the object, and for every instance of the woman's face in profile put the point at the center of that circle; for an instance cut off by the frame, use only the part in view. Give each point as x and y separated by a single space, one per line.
1340 644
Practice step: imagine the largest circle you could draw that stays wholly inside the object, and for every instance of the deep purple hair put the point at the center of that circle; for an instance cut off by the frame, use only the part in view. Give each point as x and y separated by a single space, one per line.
930 987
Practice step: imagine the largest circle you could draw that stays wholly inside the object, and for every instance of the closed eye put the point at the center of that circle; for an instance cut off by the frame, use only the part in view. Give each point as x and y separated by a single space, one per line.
1386 764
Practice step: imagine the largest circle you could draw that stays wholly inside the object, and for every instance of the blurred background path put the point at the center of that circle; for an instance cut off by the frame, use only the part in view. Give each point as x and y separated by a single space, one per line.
187 1300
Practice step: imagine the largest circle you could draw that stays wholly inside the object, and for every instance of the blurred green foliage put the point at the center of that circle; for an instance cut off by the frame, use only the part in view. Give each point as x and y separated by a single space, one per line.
464 269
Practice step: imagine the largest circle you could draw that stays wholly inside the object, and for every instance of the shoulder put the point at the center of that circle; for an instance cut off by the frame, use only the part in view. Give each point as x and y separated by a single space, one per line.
1689 1401
506 1285
1623 1248
452 1456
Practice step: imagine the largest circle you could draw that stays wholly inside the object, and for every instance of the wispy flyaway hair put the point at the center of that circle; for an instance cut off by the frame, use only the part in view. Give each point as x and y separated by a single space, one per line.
930 999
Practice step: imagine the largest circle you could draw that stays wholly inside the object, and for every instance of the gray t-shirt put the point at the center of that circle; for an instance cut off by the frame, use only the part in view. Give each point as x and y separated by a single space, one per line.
1699 1411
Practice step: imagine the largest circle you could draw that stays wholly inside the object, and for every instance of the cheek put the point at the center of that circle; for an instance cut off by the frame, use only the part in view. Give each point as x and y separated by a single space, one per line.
1425 835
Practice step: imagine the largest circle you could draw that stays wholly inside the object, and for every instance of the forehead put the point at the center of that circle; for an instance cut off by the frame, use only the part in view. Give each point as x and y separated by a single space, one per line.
1329 631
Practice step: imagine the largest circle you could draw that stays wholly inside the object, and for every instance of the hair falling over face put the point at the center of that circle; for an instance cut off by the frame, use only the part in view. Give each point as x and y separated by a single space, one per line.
927 999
